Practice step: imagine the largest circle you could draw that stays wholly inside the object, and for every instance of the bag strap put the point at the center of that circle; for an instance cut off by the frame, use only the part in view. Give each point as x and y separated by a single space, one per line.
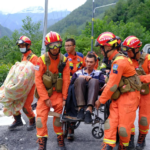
28 57
141 61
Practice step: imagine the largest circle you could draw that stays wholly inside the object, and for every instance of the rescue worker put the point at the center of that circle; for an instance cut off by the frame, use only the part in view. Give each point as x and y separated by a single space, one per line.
76 62
24 44
76 59
52 79
106 63
141 62
122 78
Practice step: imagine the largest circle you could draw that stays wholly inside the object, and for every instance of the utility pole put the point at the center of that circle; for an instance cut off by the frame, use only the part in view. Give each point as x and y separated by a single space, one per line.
93 12
43 50
92 27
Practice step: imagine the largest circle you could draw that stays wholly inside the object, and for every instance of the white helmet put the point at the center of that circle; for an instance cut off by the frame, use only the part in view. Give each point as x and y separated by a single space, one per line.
146 48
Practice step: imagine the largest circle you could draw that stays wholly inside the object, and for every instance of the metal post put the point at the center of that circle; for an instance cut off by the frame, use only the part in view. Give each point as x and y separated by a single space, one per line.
92 27
93 11
43 50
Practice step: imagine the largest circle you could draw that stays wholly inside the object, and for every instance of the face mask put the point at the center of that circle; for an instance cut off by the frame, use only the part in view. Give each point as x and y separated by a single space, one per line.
22 50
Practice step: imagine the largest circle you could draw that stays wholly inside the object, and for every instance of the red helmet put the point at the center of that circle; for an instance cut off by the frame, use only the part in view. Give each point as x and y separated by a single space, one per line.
131 42
106 38
52 37
23 40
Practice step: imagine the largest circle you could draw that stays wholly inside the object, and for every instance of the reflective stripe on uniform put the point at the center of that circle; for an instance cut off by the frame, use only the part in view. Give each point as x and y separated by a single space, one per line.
132 129
43 59
125 144
144 130
119 57
59 133
32 56
41 136
109 141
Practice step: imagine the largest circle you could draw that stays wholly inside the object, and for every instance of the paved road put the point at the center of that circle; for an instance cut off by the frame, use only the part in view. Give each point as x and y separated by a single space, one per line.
20 139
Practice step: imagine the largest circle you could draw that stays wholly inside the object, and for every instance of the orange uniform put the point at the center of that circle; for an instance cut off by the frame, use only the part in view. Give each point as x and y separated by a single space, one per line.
123 110
56 98
27 106
144 104
76 62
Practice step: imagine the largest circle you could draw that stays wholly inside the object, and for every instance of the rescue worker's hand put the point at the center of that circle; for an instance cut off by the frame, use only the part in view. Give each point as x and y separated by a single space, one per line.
87 78
64 102
97 104
107 70
103 87
48 103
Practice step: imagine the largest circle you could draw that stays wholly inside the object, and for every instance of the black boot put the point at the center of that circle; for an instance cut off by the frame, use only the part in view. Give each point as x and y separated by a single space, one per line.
61 144
141 142
16 123
42 143
131 143
32 124
70 135
106 147
122 147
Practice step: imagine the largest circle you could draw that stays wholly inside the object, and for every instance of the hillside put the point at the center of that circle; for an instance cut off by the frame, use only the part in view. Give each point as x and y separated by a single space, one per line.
81 15
4 31
131 11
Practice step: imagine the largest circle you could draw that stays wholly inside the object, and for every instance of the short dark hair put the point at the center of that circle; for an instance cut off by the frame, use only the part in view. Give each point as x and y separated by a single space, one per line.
71 40
90 55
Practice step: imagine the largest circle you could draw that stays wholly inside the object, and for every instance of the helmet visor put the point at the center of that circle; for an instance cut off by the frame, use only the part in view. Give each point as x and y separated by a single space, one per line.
55 45
18 42
96 44
125 48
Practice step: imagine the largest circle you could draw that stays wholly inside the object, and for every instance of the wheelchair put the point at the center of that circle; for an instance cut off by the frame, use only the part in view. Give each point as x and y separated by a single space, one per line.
97 131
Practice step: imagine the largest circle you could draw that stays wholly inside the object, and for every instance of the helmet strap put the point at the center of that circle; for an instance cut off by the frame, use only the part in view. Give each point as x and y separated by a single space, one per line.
135 53
53 54
106 52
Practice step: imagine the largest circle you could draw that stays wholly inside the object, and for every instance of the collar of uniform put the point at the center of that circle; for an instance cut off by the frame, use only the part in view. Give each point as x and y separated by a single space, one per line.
92 73
27 53
113 54
72 56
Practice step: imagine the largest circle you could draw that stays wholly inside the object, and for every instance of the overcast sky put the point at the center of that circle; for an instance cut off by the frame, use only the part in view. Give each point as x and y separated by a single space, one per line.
12 6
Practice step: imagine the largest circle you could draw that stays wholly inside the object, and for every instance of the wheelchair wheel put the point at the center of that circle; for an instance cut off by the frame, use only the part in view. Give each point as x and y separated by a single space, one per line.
76 124
97 133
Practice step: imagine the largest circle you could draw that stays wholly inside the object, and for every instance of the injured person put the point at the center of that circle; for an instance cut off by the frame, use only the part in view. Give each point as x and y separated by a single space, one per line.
87 83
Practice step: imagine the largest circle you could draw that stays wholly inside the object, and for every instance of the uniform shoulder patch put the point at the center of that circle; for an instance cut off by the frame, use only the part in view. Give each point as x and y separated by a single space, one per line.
115 68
